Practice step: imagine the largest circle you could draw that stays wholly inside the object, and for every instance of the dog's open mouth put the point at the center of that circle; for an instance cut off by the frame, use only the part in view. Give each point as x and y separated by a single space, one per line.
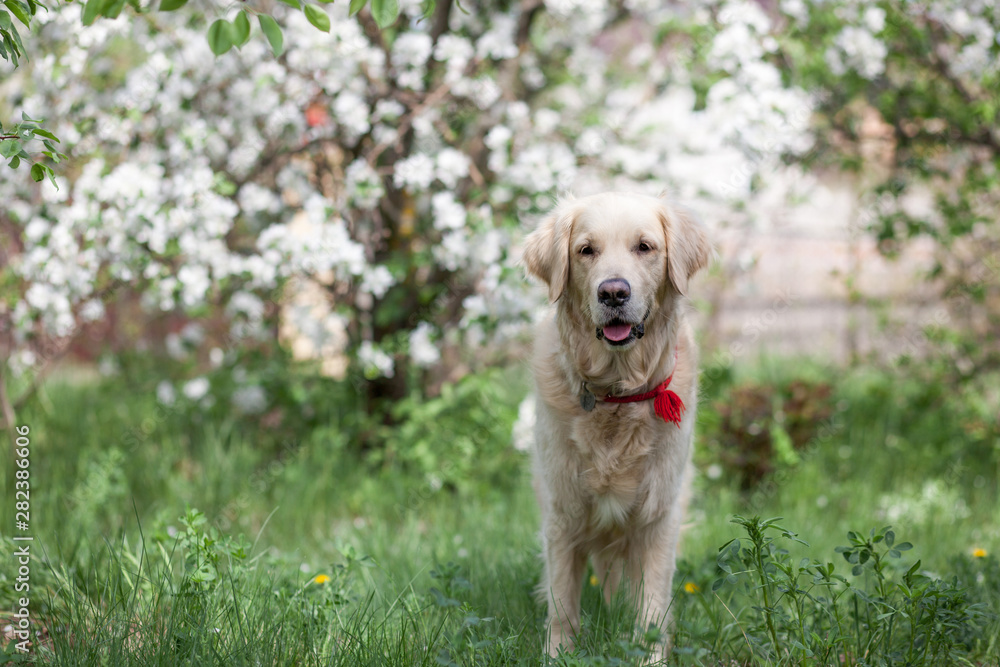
618 332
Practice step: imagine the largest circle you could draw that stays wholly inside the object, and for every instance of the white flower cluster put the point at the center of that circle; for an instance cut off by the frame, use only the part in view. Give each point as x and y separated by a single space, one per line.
857 48
972 21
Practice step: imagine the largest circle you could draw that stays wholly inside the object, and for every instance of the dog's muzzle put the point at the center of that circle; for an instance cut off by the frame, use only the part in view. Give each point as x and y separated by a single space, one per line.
618 332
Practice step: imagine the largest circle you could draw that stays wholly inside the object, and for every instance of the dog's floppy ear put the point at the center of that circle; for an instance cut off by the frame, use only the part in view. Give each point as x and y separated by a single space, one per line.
546 251
688 247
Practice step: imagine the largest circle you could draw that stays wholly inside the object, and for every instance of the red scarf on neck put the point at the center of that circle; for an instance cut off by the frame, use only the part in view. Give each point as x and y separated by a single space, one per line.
666 403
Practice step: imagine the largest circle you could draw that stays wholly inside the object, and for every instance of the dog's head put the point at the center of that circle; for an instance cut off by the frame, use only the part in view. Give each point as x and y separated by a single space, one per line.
616 259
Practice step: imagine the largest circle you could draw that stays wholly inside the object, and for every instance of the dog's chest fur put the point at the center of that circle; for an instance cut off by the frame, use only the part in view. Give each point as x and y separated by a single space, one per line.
614 443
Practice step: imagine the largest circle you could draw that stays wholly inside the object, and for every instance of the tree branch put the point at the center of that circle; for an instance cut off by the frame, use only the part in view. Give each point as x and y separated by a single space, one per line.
939 64
529 9
442 14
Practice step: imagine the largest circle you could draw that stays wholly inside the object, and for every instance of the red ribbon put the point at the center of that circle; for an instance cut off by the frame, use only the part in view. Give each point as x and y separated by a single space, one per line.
666 403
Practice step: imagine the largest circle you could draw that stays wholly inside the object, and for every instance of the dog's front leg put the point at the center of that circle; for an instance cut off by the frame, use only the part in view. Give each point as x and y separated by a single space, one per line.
564 565
653 573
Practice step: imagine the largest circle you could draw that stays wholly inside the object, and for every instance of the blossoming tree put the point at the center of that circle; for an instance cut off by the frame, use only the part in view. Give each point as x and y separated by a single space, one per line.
392 171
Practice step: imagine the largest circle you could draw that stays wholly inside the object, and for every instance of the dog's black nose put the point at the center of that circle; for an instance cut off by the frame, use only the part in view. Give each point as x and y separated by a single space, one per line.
614 292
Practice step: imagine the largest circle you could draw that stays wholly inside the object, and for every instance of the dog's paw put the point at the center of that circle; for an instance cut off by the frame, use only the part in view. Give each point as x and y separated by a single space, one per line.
558 642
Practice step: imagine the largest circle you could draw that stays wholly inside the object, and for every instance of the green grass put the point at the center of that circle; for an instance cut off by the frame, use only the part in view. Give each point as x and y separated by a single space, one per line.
423 571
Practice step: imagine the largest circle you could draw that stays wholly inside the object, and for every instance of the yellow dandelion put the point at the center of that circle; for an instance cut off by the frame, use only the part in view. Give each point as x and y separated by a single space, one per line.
979 553
593 580
691 587
321 579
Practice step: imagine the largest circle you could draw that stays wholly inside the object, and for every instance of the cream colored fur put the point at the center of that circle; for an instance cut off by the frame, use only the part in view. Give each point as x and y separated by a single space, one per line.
612 483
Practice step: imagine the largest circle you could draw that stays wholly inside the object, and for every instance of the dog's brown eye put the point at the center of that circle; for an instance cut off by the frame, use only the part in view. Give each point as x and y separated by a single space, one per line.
644 247
586 250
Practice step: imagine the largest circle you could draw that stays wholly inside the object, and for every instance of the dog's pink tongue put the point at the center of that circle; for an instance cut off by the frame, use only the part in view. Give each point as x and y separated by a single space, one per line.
617 332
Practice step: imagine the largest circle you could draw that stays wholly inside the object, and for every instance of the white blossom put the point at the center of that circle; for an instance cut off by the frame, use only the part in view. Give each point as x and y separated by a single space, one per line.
451 166
456 52
416 171
165 393
861 51
363 184
423 352
411 49
195 389
374 360
453 251
447 211
498 42
874 19
376 281
352 114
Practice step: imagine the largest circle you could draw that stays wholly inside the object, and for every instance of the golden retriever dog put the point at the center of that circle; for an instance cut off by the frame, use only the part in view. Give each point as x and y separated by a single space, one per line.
616 384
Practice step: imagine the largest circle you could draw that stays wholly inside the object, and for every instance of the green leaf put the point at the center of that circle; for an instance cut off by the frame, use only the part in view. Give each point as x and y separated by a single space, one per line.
272 32
904 546
10 147
20 10
112 8
857 570
292 3
37 172
5 22
14 45
171 5
45 133
14 162
317 17
241 29
356 6
220 36
91 11
385 12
